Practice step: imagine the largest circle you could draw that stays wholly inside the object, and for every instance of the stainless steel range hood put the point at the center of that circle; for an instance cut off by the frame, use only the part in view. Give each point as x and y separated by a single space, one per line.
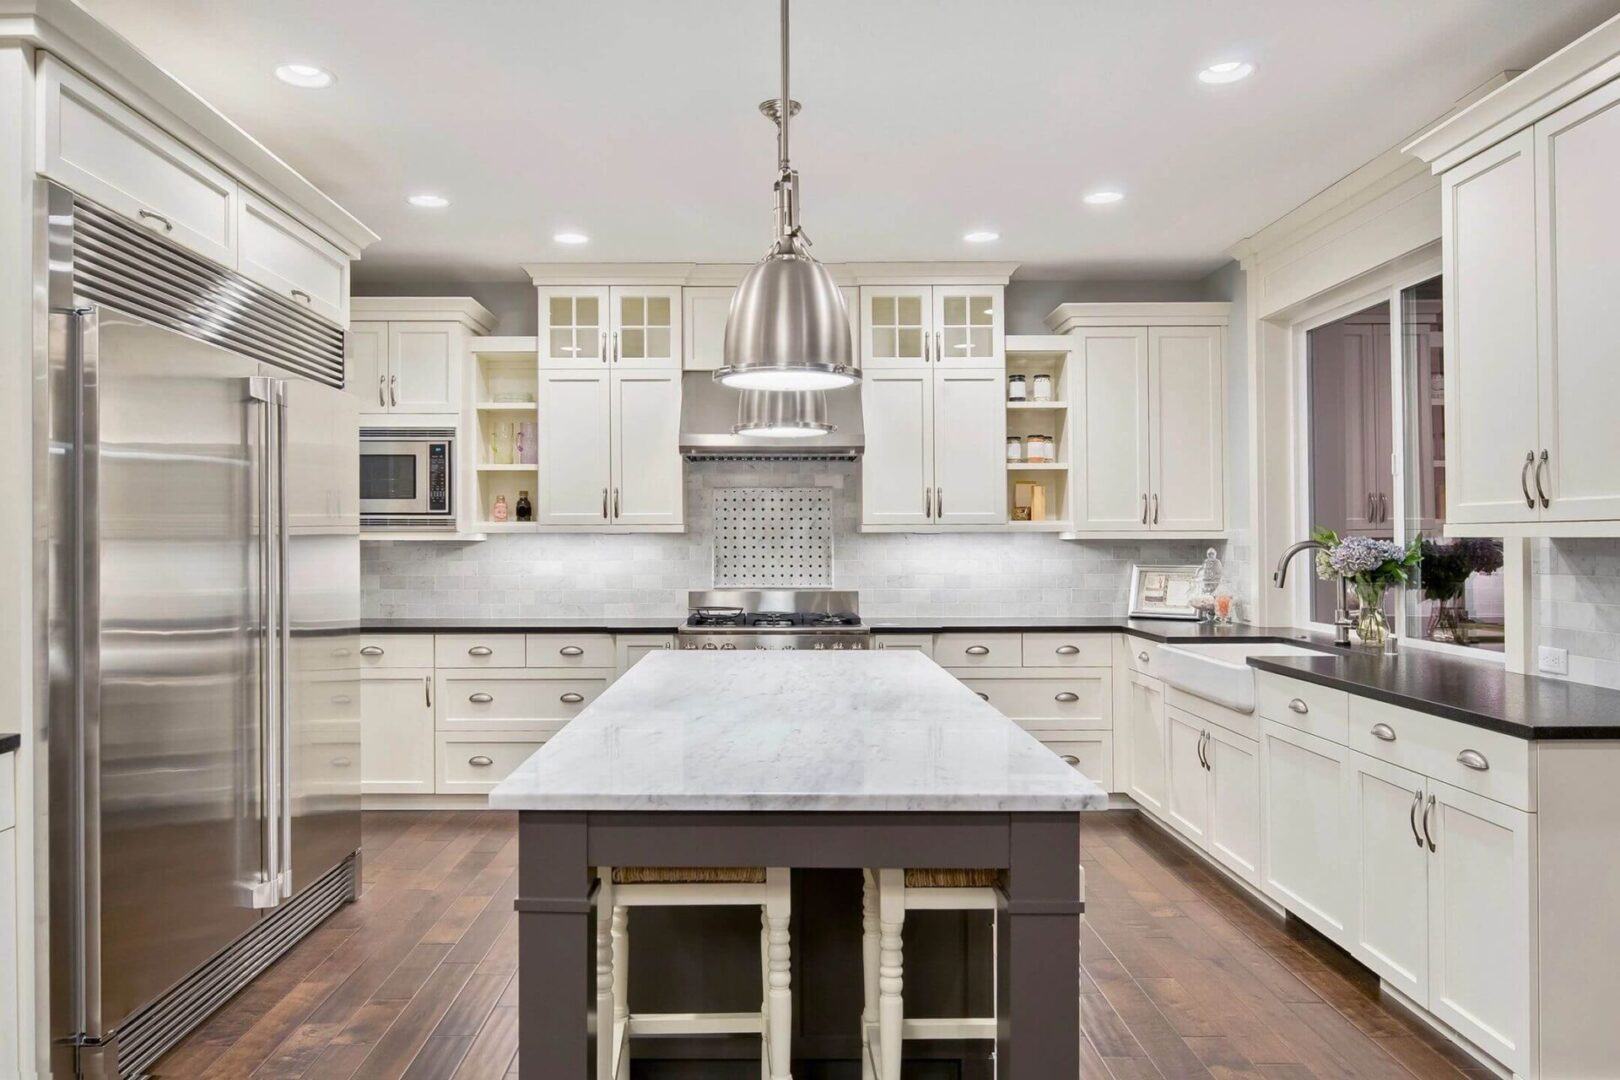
709 411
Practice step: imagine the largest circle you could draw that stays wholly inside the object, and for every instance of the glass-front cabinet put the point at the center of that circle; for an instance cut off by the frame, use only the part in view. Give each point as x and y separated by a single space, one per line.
913 325
623 325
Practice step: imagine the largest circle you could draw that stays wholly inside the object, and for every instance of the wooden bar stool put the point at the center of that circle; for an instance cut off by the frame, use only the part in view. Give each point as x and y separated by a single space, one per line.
622 888
886 897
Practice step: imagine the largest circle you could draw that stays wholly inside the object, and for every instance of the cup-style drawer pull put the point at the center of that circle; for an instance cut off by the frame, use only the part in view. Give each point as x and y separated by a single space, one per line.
371 650
1066 696
571 650
340 653
480 650
1473 759
572 698
978 650
1071 760
480 761
341 763
1298 705
1383 733
1068 650
480 698
982 694
341 699
1143 658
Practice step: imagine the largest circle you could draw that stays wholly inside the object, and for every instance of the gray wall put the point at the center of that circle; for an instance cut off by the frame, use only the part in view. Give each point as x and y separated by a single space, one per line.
513 303
1029 302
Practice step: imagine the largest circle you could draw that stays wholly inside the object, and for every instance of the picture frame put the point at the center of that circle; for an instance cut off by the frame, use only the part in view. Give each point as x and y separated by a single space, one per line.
1162 592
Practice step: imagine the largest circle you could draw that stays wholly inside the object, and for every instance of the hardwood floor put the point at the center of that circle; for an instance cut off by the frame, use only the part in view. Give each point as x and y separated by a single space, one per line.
1183 977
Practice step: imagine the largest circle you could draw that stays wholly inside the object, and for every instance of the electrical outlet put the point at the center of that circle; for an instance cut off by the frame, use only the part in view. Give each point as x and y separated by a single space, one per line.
1553 661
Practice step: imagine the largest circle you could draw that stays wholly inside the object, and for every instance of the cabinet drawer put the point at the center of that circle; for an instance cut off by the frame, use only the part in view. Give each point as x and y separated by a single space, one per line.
478 650
325 652
570 650
979 650
923 643
396 651
511 701
1311 708
1068 650
1082 699
1138 654
1091 753
282 255
1435 746
472 764
99 147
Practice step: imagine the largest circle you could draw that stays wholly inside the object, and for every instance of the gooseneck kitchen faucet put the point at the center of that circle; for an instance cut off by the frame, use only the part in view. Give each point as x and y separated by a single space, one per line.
1341 617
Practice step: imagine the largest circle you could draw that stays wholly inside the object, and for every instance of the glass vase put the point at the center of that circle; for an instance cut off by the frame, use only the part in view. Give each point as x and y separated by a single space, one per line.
1372 626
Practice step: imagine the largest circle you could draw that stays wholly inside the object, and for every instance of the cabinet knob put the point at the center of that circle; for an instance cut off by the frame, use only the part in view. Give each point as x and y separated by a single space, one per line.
1066 696
1068 650
572 698
978 650
480 698
1298 705
1473 759
571 650
479 761
1071 760
1383 733
371 650
480 650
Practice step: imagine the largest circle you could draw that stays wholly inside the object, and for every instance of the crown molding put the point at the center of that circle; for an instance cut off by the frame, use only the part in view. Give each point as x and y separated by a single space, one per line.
460 309
864 273
1066 318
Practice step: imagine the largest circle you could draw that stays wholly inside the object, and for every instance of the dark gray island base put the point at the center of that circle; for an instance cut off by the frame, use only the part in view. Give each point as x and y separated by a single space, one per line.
1038 926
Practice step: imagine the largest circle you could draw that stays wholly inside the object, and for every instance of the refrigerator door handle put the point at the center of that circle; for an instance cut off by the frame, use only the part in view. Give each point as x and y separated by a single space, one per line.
266 891
283 643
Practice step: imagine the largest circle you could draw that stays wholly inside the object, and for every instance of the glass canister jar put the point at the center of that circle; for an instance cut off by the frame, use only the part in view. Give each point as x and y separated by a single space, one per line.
1043 388
1017 388
1038 449
1015 448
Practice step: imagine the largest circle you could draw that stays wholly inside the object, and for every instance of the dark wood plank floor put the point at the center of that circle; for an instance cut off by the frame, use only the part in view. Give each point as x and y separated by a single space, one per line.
1183 977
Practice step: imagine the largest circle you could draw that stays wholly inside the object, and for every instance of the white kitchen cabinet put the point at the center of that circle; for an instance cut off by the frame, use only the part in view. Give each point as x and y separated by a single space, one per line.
1091 753
897 469
1390 873
630 649
969 326
365 351
968 443
1488 208
1234 802
704 312
1304 829
620 326
912 326
407 354
424 367
1151 429
897 327
1186 805
649 475
11 1013
1146 747
97 146
576 473
923 643
1481 950
285 256
396 731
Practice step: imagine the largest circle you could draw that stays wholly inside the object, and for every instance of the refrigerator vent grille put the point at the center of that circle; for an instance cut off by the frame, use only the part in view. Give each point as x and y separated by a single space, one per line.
149 1033
130 268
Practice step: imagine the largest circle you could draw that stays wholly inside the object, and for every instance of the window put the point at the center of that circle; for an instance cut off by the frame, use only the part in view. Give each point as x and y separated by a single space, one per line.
1372 385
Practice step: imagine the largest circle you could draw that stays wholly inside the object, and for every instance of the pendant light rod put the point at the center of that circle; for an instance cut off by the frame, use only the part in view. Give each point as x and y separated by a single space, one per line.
785 110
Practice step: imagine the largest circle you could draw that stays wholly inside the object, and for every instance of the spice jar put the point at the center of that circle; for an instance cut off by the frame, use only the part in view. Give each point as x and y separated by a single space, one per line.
1015 448
525 510
1043 388
1017 388
498 512
1039 448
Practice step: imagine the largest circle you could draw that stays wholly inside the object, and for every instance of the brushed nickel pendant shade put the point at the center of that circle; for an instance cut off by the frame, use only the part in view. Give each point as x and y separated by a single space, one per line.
782 414
788 328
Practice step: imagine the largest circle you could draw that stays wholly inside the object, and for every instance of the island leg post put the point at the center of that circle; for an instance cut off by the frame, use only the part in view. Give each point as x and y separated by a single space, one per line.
556 948
1038 951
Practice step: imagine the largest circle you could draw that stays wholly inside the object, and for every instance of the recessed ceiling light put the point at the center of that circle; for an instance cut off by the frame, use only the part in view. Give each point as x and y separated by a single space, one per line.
982 237
571 238
1103 198
429 202
1229 71
307 76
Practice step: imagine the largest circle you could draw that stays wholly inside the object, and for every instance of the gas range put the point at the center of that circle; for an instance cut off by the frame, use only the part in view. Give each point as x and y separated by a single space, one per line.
773 619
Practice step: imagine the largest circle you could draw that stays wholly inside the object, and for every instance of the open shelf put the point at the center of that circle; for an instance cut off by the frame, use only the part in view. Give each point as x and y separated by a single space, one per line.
1036 406
508 468
505 432
506 406
515 345
1037 466
1045 483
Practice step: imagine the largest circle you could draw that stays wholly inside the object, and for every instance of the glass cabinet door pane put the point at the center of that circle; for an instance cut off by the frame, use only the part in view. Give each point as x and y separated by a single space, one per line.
967 327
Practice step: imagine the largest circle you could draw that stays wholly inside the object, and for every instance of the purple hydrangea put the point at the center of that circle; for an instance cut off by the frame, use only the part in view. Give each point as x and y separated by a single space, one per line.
1362 554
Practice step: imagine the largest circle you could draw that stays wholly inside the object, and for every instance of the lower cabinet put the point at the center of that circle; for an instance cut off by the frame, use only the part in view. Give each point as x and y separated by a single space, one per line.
1304 832
1212 791
396 731
1145 743
629 648
923 643
11 1016
1090 752
473 763
1390 873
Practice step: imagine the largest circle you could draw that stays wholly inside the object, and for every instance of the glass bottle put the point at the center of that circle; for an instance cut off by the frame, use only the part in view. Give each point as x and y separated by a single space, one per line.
525 511
498 512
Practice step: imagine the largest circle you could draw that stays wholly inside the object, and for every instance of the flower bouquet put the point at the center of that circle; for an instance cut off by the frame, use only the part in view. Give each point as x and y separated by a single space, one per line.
1371 567
1444 573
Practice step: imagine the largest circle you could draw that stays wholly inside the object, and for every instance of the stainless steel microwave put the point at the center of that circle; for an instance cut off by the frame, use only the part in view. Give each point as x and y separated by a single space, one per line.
407 478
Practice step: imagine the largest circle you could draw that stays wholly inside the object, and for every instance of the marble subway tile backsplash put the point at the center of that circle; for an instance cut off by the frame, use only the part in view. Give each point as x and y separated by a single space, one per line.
1576 597
648 575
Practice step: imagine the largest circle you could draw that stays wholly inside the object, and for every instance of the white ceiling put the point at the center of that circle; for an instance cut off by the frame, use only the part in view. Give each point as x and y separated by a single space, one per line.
634 120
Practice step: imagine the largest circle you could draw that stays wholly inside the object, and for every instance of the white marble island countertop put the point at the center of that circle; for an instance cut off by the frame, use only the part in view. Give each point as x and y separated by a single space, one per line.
883 730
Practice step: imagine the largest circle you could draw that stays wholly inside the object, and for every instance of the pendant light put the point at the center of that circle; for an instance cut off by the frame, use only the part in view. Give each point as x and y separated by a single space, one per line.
782 414
788 328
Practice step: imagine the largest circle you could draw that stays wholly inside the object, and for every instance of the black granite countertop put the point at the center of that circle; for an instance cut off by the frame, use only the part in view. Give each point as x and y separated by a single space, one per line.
602 625
1526 706
9 742
1163 631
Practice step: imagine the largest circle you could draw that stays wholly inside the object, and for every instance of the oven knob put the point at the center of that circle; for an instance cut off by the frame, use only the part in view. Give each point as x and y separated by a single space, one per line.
819 645
838 645
710 645
857 645
689 645
761 648
728 645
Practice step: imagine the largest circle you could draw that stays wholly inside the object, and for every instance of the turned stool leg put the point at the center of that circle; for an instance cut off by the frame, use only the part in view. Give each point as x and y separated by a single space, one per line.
869 970
891 971
605 964
621 989
779 1015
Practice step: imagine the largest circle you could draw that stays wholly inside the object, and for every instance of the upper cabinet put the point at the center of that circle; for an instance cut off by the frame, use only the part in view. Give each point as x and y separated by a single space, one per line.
622 326
705 309
406 354
97 145
915 325
1149 402
1530 226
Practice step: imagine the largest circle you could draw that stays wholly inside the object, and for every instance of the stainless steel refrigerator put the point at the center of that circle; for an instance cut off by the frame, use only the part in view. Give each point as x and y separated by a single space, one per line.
203 605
